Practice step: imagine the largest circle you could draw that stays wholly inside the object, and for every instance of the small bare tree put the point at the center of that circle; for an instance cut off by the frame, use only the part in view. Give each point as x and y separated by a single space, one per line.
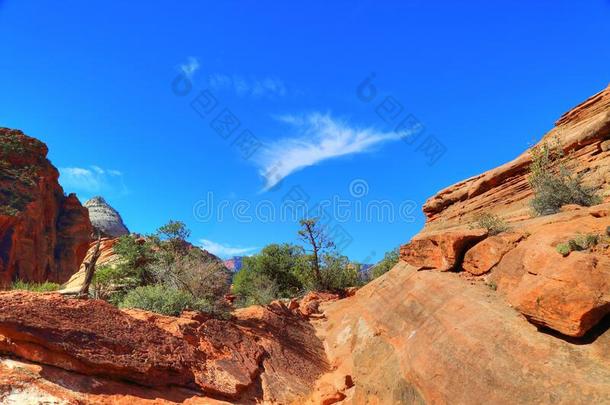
313 234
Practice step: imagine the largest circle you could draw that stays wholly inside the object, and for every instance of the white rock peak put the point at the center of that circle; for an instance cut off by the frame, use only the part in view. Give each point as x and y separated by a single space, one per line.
105 219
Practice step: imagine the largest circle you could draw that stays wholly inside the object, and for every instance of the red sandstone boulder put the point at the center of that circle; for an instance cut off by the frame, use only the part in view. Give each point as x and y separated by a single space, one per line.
443 251
568 294
44 235
488 253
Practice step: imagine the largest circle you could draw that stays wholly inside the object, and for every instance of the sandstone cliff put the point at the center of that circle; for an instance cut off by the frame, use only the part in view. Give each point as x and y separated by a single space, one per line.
584 133
44 235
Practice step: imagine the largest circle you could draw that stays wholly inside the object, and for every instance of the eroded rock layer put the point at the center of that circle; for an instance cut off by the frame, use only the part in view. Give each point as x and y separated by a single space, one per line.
269 354
427 337
584 133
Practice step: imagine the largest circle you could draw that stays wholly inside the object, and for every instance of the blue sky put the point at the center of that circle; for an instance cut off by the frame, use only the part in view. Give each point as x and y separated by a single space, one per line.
473 84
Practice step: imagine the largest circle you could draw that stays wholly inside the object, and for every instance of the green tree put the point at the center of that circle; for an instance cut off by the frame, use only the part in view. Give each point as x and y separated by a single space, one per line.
390 260
254 288
137 255
338 272
172 238
313 235
278 266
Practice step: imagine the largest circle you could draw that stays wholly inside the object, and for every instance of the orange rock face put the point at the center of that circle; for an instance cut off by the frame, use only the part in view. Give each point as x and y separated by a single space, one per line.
426 337
568 294
487 254
44 235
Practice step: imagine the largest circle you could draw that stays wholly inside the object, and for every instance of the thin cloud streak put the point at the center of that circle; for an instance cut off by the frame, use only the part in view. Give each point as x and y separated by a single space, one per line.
248 87
222 250
92 180
319 137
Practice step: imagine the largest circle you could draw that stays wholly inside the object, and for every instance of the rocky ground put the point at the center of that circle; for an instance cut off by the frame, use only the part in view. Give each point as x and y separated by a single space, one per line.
466 317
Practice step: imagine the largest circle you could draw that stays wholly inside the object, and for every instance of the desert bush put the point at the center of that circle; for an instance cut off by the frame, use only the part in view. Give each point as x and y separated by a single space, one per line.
338 273
164 261
554 184
579 243
254 288
492 223
202 278
164 300
106 284
35 287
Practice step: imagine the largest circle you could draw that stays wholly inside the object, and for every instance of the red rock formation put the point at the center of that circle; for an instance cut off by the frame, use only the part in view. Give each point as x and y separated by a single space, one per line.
486 255
27 383
582 132
265 353
443 251
44 235
569 295
426 337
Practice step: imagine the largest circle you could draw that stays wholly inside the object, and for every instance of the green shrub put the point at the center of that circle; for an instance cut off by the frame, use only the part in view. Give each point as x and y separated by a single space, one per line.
338 273
389 261
106 284
276 272
8 211
493 223
164 274
579 243
254 288
35 287
553 183
563 249
165 301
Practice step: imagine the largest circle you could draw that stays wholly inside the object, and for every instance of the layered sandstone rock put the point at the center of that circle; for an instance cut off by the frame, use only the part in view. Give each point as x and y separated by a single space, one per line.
25 383
265 353
582 132
44 235
105 220
426 337
570 295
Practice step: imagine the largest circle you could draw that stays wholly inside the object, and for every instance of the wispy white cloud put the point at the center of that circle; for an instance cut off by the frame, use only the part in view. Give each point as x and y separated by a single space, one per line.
224 251
248 87
190 67
92 180
318 137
